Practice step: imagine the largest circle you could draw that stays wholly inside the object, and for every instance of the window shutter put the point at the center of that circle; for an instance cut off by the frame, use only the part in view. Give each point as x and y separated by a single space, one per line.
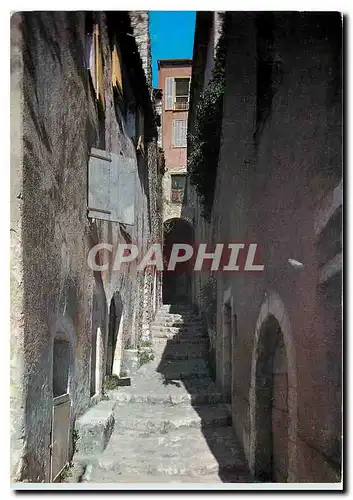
183 126
123 189
169 93
99 167
99 71
111 187
91 53
179 130
174 132
117 79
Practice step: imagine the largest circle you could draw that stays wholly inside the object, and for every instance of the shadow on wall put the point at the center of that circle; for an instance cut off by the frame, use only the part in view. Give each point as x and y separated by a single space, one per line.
115 314
216 428
177 282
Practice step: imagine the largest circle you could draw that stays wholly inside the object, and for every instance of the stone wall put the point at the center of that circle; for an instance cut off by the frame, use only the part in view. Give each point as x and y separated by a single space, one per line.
52 284
140 22
274 171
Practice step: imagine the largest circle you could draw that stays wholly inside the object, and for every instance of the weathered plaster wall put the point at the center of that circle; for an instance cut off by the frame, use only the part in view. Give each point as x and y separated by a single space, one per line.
267 192
175 158
60 125
16 276
140 21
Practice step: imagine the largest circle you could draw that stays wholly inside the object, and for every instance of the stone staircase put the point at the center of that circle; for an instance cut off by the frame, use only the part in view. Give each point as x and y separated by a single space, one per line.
171 424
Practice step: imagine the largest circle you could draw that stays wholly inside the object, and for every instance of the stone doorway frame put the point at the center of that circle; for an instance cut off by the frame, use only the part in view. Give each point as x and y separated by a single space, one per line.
272 305
62 330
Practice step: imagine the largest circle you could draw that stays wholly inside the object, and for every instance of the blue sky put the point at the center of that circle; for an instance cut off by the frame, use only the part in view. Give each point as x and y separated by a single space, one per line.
172 36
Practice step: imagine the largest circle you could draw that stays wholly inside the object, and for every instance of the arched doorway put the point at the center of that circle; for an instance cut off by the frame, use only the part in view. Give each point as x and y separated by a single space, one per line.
271 404
177 282
63 376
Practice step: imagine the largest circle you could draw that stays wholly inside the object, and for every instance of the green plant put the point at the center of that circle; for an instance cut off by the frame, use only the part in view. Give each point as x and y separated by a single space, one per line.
66 473
204 141
145 343
111 382
75 438
144 356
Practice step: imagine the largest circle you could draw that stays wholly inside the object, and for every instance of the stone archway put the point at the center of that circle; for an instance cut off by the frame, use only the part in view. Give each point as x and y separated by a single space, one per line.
177 283
273 395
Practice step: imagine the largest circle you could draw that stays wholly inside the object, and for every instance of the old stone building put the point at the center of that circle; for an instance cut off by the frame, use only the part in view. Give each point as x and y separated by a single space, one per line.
270 83
84 171
174 77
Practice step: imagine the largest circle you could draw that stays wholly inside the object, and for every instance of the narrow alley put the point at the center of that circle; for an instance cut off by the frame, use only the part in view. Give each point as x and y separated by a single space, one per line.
171 424
176 242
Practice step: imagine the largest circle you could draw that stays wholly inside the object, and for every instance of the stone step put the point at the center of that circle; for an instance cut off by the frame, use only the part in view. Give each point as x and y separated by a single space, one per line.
155 390
176 308
178 323
177 317
174 337
183 452
181 341
197 398
181 312
186 350
193 391
178 328
172 332
183 369
146 419
95 428
96 474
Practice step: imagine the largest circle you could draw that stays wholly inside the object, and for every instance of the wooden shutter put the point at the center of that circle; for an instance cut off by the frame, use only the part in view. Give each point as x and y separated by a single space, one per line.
91 57
123 189
99 68
169 93
99 184
183 127
179 130
111 187
117 79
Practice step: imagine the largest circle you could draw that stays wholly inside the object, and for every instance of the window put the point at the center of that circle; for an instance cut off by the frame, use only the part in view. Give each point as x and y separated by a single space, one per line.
177 93
181 93
178 188
179 133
